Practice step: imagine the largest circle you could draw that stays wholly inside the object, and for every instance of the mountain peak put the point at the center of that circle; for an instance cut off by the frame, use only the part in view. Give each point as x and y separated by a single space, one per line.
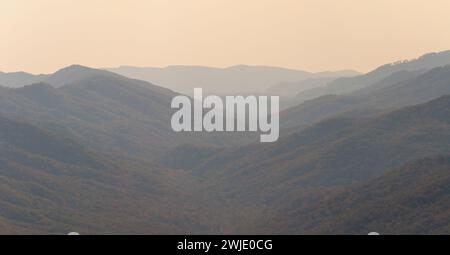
75 73
74 67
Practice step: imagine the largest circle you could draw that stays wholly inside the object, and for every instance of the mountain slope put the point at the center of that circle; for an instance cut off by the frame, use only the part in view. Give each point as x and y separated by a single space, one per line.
347 85
262 180
420 89
412 199
50 184
409 88
107 112
333 153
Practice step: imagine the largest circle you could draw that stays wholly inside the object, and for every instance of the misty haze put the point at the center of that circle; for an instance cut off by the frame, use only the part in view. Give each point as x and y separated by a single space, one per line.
361 143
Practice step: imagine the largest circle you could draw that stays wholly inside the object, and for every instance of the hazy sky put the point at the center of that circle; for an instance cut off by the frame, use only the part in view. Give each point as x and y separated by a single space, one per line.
314 35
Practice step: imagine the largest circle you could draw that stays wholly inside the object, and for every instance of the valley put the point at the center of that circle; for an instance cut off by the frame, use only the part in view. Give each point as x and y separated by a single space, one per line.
97 155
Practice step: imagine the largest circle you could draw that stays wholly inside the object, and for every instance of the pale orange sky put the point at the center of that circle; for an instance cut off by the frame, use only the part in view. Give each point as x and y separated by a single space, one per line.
41 36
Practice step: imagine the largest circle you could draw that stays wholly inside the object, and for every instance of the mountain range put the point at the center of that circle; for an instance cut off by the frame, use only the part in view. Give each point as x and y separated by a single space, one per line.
104 110
401 89
322 160
223 81
345 85
407 200
92 151
52 184
64 76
